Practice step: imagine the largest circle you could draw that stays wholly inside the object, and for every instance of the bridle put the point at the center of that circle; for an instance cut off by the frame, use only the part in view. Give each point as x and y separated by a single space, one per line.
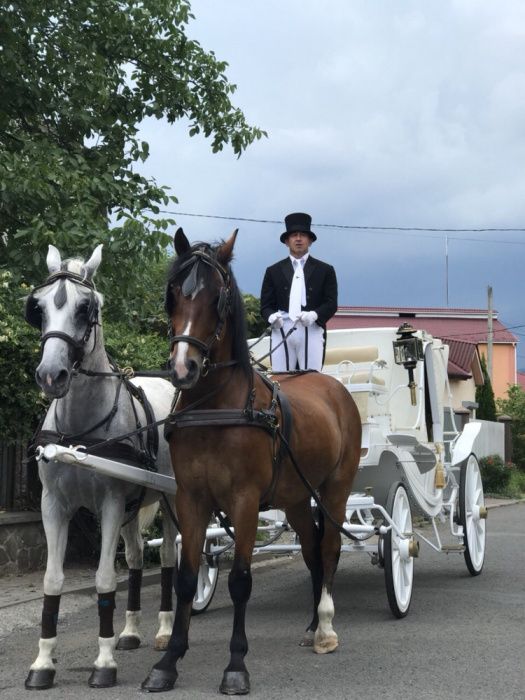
224 305
33 313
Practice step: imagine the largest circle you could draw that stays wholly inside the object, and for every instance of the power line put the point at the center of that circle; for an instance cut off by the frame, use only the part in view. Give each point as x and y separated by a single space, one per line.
349 227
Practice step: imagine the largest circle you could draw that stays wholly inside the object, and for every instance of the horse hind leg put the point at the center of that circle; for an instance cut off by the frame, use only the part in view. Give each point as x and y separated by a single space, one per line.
301 518
167 571
130 637
325 637
42 671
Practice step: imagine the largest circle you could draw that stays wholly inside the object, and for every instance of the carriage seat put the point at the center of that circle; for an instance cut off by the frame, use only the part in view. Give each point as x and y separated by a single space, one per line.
357 367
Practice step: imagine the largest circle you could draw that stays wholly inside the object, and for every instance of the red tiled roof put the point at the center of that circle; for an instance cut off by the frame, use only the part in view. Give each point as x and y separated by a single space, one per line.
468 325
454 371
460 355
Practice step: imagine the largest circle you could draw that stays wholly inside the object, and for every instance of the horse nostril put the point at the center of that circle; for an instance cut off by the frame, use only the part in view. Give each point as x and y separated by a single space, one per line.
62 377
192 367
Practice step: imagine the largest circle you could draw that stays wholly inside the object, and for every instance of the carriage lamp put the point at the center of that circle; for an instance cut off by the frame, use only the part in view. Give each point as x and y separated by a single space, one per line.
408 350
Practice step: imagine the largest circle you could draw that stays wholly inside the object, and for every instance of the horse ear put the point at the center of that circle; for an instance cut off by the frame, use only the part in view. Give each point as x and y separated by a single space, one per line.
53 259
225 251
181 243
90 267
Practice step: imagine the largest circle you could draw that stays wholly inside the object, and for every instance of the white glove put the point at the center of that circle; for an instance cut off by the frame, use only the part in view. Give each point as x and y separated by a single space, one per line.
276 320
307 318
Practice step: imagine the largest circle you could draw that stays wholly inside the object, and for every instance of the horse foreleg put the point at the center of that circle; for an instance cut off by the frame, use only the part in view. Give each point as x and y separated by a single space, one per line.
236 679
104 674
194 519
301 519
167 563
56 521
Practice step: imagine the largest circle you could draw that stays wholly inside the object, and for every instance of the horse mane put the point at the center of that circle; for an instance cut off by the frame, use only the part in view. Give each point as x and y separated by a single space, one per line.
237 315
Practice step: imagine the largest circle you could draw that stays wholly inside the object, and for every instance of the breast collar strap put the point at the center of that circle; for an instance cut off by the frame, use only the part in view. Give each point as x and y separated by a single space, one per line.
265 419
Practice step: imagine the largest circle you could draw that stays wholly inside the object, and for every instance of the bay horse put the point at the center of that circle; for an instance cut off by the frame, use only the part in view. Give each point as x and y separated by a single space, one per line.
227 437
93 402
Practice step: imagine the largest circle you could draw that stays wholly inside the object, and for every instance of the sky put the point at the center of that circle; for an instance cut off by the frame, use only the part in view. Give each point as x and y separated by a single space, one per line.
379 113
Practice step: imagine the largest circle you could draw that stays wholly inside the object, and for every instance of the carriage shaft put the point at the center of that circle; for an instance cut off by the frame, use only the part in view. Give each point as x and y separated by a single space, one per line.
107 467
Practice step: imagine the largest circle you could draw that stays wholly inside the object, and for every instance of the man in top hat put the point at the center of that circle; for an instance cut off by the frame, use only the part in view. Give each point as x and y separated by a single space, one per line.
299 292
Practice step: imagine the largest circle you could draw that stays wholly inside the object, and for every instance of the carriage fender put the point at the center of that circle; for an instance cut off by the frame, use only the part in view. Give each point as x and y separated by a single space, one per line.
465 442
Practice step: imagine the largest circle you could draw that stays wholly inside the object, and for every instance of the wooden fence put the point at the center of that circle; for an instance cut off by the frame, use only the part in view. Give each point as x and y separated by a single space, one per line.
19 483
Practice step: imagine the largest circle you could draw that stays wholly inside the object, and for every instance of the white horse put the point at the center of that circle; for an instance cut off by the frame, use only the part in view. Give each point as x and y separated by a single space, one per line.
92 403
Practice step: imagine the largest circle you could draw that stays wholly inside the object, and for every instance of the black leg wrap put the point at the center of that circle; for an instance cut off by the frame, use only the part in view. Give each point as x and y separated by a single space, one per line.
166 588
50 616
134 586
40 680
159 680
235 683
185 585
103 678
106 606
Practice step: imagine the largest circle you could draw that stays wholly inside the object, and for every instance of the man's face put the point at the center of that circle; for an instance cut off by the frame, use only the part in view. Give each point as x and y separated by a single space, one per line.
298 243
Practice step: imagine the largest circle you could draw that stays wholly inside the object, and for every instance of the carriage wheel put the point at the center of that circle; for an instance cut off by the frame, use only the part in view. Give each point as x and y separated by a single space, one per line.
207 578
472 515
398 562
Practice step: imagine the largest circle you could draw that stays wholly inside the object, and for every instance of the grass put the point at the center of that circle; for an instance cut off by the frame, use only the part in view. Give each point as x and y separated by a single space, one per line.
516 486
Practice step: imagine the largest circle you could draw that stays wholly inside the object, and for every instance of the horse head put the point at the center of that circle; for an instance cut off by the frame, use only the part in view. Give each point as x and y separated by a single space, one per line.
65 308
204 308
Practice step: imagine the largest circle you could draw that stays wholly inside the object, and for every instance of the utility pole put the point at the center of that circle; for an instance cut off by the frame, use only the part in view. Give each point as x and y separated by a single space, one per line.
446 269
490 333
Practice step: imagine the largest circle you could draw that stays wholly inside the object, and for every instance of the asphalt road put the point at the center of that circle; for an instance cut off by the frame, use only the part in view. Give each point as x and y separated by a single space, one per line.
464 637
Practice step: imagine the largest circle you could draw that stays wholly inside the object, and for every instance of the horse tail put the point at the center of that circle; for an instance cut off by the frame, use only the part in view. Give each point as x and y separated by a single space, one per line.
147 515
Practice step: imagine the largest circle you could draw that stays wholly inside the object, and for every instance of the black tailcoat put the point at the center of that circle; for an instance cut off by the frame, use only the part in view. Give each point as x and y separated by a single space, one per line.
320 283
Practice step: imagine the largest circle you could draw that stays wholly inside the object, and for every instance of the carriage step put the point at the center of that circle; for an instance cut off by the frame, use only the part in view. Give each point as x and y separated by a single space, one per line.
452 547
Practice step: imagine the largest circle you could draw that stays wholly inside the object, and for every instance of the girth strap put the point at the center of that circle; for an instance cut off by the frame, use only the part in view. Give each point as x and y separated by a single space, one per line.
284 430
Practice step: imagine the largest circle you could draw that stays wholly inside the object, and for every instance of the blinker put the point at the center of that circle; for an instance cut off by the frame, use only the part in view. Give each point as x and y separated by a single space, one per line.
190 283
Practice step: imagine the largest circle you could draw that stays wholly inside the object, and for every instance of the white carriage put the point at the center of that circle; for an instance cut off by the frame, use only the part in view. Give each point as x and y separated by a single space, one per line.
413 460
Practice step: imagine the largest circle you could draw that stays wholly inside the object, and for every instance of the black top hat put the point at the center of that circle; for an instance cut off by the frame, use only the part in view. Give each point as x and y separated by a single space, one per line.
298 222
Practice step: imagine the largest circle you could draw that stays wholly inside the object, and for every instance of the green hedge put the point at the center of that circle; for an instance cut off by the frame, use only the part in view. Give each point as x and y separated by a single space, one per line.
21 401
496 474
136 342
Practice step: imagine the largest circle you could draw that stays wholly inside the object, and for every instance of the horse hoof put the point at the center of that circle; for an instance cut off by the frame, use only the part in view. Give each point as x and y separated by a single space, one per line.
127 643
326 645
235 683
159 681
103 678
161 643
41 679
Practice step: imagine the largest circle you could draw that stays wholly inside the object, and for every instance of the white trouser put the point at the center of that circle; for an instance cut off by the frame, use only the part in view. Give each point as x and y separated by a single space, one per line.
303 348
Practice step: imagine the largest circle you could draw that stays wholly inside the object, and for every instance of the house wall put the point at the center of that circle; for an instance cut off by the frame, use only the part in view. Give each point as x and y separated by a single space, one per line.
503 367
462 390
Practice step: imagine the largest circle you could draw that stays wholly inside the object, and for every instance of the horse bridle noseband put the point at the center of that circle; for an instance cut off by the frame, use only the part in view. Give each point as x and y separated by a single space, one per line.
224 303
34 318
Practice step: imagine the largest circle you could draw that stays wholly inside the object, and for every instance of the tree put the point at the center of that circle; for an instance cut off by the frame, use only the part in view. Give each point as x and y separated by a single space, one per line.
77 79
485 396
514 406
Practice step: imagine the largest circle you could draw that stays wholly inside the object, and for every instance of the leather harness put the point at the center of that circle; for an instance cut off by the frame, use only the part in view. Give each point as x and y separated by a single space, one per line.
265 419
